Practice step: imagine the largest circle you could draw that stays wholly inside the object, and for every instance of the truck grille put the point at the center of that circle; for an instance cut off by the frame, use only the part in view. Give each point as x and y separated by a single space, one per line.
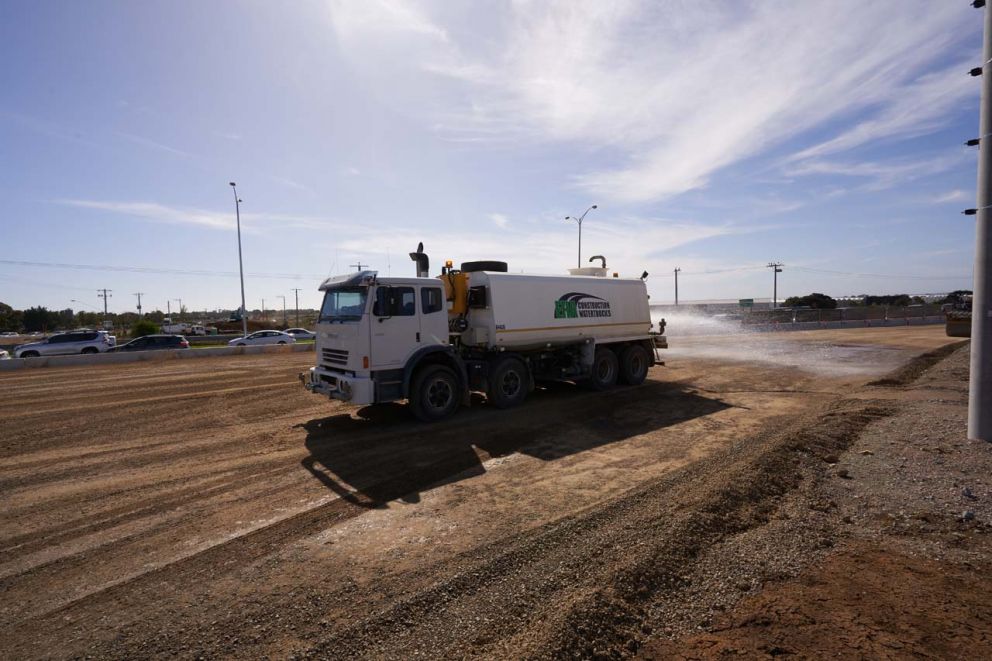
335 356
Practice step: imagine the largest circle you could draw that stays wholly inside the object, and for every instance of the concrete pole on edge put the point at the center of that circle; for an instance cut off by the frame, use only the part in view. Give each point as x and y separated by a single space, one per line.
980 386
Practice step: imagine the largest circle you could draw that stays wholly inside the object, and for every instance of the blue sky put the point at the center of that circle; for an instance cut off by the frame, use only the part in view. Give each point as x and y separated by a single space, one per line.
714 137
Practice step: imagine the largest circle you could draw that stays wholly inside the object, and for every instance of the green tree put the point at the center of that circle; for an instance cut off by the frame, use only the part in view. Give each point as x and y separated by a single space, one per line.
144 327
814 300
956 297
40 318
10 319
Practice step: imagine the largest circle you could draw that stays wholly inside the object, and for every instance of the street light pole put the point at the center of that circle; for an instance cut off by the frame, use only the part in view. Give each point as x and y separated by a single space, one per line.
285 321
579 221
241 268
677 269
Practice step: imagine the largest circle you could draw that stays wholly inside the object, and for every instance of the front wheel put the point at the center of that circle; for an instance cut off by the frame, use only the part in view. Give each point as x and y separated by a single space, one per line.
90 350
30 354
508 383
281 342
634 364
241 344
605 368
434 393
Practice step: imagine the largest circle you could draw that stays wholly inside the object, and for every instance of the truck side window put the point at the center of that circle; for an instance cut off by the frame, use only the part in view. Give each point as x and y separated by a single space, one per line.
399 302
431 300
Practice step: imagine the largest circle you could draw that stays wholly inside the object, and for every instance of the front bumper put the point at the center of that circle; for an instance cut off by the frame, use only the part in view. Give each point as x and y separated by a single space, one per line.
358 390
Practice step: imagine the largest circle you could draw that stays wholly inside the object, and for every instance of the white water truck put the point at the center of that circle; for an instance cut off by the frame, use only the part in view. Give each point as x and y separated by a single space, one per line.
433 341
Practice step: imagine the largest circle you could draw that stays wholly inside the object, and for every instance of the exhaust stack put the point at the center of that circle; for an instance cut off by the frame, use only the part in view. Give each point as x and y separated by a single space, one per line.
423 262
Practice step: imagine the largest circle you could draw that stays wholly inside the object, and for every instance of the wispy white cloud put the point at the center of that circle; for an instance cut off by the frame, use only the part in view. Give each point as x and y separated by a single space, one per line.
151 144
956 195
499 220
225 220
880 174
672 91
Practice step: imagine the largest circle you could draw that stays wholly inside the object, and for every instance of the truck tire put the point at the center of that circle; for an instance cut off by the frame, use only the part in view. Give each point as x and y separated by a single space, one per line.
434 393
485 265
509 382
634 364
605 369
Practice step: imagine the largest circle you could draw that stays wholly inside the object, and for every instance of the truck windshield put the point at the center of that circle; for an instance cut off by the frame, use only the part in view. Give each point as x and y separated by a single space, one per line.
344 304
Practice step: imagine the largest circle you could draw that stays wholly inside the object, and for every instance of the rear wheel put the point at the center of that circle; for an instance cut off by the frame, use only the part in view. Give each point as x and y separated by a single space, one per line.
90 350
282 342
634 364
30 354
434 393
605 369
508 383
241 344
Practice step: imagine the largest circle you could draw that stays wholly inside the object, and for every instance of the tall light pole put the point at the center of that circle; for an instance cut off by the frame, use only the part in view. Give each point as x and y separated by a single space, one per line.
297 291
776 269
284 318
980 385
677 269
579 221
241 268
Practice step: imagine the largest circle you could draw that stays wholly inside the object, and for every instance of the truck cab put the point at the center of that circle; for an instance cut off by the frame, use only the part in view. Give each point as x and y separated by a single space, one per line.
370 330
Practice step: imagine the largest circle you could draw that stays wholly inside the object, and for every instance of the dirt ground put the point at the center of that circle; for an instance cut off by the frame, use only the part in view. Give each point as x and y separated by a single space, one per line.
212 508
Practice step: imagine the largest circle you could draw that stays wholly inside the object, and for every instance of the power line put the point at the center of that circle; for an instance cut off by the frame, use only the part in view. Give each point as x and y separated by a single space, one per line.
148 269
880 275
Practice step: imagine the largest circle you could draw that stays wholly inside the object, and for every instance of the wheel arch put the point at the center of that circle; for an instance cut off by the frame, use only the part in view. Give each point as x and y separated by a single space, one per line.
435 355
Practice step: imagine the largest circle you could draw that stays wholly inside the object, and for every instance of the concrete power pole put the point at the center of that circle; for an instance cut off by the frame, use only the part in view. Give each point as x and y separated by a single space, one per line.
296 290
139 294
102 293
980 386
677 285
776 269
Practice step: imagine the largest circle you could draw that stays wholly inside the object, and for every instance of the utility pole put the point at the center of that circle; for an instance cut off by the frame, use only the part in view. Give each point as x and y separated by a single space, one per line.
359 265
980 386
263 309
180 302
677 269
168 308
776 269
284 321
139 294
102 293
297 291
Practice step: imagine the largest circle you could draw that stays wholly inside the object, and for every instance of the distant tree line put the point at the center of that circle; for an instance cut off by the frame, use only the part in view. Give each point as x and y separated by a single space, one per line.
823 302
41 319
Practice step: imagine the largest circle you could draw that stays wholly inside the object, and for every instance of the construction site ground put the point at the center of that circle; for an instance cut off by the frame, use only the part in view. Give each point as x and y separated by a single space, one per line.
810 493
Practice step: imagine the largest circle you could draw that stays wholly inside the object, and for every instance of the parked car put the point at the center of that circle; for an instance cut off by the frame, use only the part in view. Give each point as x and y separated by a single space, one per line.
302 333
263 337
60 344
9 334
154 343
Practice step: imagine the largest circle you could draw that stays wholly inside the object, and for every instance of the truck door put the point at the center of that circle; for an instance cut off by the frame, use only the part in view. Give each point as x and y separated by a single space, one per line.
395 326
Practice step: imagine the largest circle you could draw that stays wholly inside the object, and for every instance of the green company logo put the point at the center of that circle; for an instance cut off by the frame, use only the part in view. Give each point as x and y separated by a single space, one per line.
576 304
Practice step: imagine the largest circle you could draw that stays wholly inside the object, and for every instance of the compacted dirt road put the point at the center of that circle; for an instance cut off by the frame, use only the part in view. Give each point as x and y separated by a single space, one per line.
212 508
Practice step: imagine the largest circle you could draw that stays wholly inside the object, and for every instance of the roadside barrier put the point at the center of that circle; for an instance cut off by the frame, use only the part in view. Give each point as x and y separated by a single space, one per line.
140 356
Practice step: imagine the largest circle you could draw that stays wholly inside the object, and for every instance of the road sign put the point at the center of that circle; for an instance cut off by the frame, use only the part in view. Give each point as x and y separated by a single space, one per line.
746 302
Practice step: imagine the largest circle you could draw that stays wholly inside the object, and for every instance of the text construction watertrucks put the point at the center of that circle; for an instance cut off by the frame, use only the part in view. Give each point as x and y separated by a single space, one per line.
433 341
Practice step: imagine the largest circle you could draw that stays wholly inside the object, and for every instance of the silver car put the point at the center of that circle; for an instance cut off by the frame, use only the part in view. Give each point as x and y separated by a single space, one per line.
79 341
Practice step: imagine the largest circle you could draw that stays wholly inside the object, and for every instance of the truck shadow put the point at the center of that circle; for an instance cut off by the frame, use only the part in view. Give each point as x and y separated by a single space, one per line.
383 455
